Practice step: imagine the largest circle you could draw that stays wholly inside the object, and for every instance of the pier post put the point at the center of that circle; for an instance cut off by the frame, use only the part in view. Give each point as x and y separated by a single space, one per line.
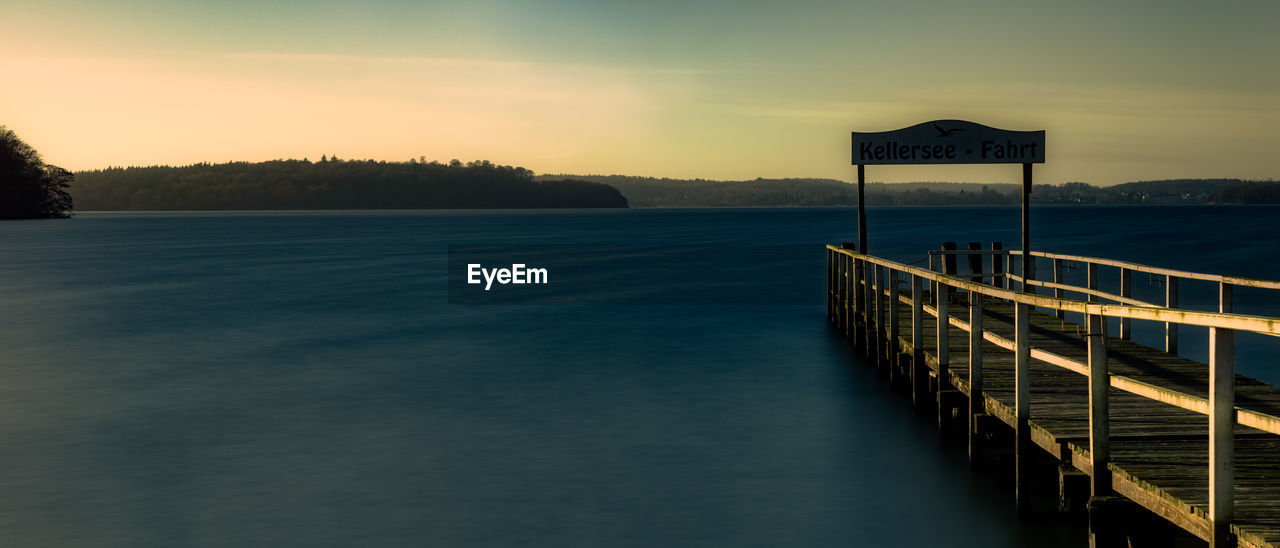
1126 290
855 298
943 298
838 291
1102 530
1091 282
1171 301
976 402
856 319
1099 408
997 265
1073 490
1008 269
975 262
1057 292
949 268
1222 422
868 309
949 260
862 208
881 336
895 326
1028 265
841 284
1109 516
831 284
850 303
1024 451
919 371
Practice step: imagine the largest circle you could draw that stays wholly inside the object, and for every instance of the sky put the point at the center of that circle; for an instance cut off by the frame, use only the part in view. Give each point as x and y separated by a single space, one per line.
685 89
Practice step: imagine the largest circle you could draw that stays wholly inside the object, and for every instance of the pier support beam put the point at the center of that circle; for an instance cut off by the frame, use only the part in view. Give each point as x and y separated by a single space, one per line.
848 306
976 403
862 208
975 262
855 299
1126 290
942 295
842 291
1073 490
868 309
831 306
881 336
1122 523
1057 292
895 327
997 266
949 260
1091 282
1028 265
1024 449
1099 408
1222 422
1108 517
919 371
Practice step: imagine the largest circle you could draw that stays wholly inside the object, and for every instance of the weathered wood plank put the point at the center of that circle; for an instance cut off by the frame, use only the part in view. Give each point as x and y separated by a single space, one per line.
1159 452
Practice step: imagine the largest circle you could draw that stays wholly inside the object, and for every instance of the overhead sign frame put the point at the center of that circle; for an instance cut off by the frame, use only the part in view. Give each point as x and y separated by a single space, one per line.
951 142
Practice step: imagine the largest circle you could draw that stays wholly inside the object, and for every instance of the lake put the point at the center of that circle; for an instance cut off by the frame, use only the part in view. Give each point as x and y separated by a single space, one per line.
329 379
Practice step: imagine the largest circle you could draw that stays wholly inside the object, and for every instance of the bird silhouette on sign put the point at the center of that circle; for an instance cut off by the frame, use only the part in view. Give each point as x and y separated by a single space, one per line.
946 132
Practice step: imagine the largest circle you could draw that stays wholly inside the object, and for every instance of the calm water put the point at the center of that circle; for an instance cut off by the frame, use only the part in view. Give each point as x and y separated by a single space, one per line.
300 379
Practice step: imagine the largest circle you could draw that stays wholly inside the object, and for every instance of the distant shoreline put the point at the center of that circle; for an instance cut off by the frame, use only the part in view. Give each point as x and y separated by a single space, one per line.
333 184
654 192
640 208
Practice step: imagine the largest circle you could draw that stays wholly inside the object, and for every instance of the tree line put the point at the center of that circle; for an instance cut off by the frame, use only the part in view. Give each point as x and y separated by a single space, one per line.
656 192
1256 192
332 184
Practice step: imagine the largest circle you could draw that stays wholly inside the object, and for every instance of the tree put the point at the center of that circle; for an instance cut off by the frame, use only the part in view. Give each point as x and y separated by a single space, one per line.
29 188
350 184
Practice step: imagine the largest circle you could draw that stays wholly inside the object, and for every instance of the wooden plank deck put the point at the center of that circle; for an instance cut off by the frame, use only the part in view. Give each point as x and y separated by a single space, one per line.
1159 452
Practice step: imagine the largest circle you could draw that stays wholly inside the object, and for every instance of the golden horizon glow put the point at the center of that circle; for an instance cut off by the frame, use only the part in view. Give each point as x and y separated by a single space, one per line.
563 88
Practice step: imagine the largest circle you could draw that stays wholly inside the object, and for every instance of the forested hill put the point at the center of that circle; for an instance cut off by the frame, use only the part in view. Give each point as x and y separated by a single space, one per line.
652 192
332 184
367 184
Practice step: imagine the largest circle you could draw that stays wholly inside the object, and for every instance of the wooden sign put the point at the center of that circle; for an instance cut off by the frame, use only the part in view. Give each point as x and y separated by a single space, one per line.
948 142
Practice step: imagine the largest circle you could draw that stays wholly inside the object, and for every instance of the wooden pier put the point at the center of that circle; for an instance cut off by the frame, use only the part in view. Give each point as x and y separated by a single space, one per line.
1192 443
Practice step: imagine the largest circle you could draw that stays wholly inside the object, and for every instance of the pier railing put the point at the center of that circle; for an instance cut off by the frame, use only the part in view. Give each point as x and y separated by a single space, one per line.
1170 278
1004 275
860 284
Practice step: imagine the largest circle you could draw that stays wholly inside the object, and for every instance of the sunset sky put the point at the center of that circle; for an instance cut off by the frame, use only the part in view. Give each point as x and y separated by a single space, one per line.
713 89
